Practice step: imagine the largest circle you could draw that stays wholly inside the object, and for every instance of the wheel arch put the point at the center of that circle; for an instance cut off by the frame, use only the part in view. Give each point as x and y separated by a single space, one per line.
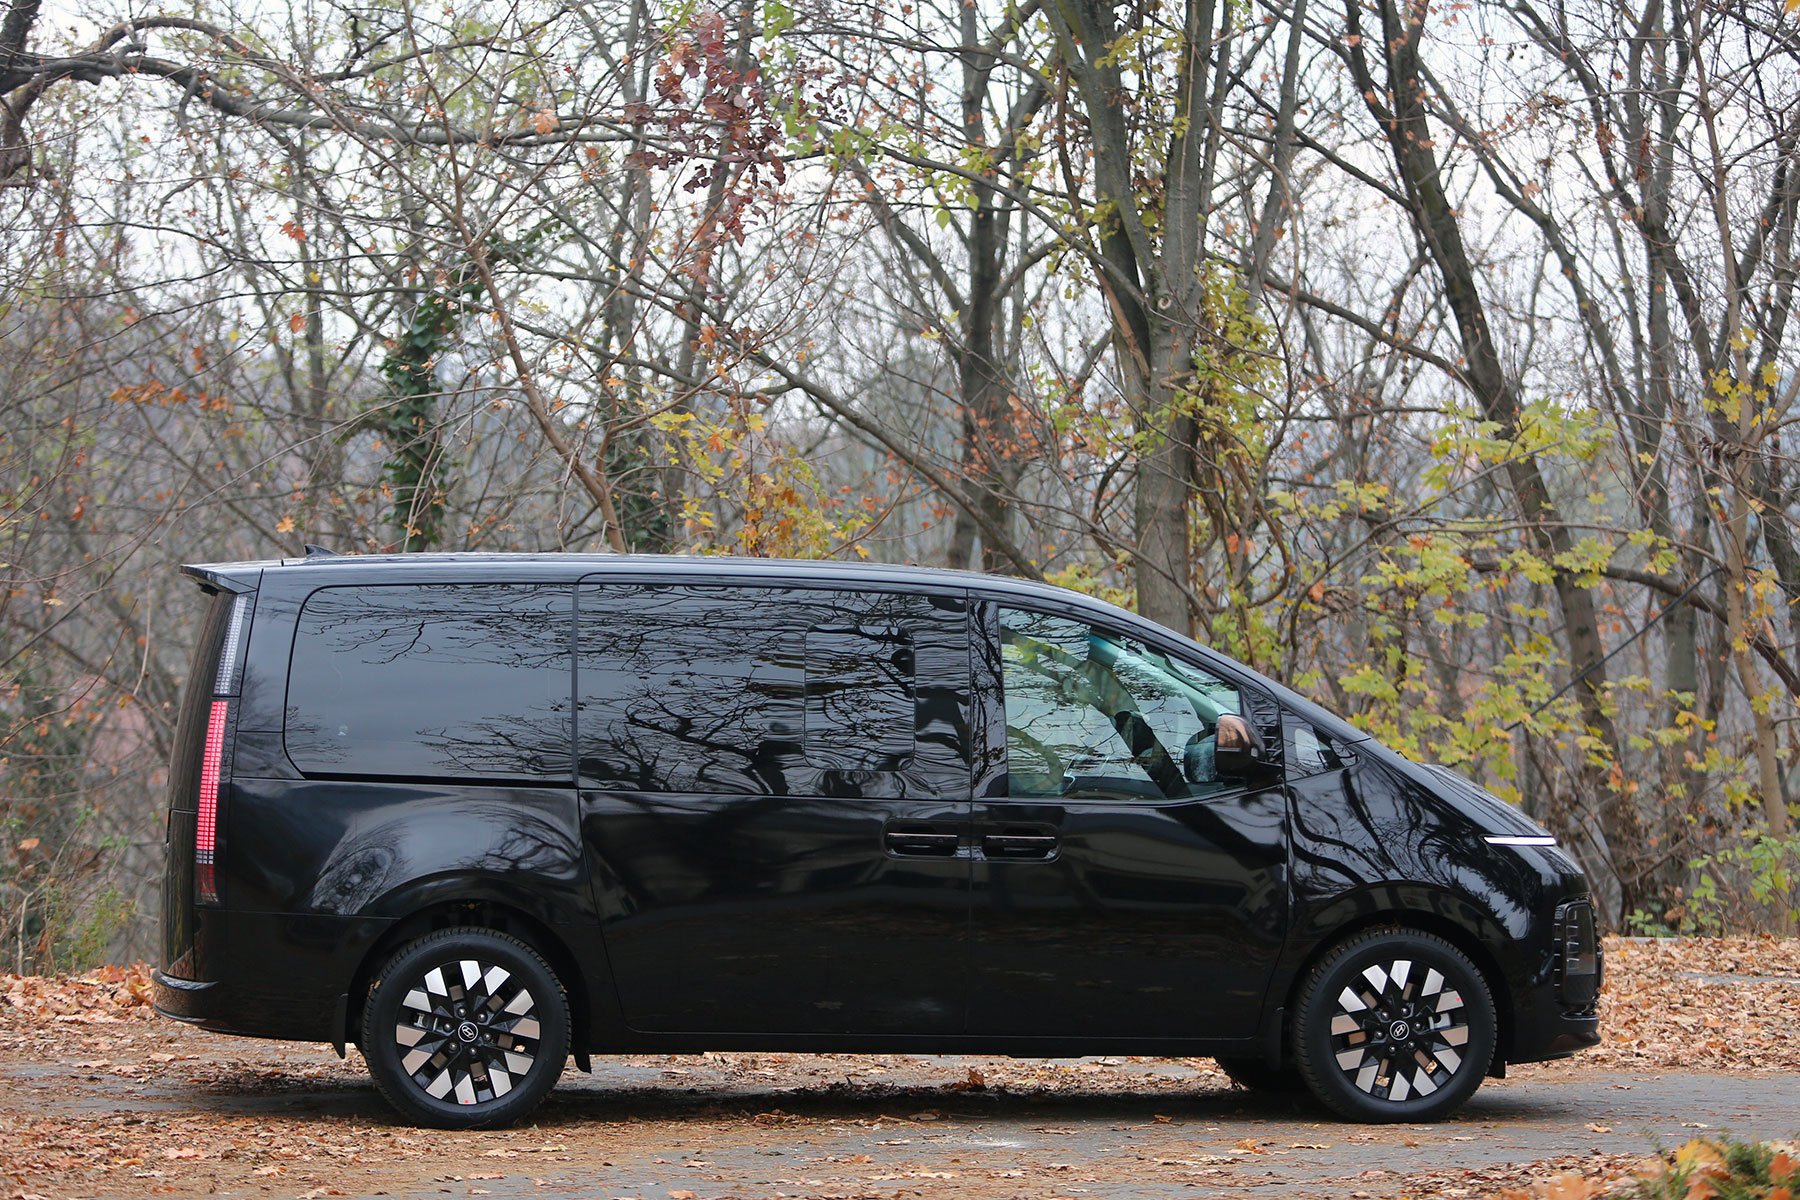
1430 919
478 914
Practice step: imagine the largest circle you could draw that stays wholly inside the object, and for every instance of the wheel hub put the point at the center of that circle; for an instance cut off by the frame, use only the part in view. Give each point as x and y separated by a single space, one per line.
467 1032
1399 1030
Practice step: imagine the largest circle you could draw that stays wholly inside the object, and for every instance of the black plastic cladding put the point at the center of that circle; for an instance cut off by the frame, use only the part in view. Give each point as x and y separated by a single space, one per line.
796 901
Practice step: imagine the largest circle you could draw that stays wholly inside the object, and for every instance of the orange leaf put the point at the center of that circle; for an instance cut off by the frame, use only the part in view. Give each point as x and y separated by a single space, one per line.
545 121
295 322
1566 1187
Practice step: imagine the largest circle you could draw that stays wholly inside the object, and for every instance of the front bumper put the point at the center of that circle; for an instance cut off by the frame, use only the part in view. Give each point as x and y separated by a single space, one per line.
1558 1013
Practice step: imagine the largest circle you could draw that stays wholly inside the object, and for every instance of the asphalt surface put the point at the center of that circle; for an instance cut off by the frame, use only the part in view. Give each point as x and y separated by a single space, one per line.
830 1128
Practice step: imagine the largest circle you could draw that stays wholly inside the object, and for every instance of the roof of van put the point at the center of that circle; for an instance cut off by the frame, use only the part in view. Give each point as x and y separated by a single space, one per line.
242 575
575 563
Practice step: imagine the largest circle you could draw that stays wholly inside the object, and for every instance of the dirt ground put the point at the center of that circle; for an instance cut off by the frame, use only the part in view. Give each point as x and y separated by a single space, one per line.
98 1097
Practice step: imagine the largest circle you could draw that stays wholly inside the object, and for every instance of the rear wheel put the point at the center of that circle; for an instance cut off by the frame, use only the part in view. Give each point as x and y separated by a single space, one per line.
1394 1025
465 1029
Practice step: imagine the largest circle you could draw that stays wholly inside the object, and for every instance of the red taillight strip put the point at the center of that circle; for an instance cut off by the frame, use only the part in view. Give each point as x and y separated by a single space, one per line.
206 830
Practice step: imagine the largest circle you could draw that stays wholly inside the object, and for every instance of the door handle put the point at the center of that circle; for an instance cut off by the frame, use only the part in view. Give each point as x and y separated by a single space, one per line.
921 843
1019 845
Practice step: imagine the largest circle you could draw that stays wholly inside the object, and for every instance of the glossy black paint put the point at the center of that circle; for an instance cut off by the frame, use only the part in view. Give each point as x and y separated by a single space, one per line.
753 875
785 878
1169 908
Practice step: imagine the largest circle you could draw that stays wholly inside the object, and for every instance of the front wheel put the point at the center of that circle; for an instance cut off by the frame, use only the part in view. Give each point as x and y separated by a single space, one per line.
465 1029
1394 1025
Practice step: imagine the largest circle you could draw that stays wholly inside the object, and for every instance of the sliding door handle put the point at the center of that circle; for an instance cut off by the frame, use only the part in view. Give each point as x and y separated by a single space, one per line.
1019 845
921 843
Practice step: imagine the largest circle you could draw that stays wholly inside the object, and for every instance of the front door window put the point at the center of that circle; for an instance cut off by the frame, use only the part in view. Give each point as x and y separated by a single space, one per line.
1091 713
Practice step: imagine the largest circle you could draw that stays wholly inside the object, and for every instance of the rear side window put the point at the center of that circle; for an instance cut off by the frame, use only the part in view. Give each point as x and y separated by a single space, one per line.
440 681
859 697
763 691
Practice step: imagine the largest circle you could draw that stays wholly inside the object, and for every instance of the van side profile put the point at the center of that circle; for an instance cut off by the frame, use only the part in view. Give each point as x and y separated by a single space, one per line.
481 813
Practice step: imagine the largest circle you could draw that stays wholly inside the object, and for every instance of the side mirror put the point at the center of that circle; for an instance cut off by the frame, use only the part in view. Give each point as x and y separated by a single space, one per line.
1238 751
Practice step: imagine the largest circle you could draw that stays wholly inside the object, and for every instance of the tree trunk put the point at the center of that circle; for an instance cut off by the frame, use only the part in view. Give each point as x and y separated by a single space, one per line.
1409 137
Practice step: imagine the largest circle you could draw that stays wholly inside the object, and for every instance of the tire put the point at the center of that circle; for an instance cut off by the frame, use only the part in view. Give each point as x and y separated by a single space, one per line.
1387 997
465 1029
1256 1075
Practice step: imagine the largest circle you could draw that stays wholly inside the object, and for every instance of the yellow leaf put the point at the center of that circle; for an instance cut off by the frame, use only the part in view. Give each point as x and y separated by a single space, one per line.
1700 1155
285 525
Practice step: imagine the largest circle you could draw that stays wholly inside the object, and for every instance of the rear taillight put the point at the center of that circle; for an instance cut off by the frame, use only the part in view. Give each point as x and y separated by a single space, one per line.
206 830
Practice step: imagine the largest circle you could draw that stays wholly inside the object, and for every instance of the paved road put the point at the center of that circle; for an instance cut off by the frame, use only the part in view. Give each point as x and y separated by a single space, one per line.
650 1128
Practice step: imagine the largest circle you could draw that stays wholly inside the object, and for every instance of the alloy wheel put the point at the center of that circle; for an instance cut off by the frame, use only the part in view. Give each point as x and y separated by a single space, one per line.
467 1031
1400 1030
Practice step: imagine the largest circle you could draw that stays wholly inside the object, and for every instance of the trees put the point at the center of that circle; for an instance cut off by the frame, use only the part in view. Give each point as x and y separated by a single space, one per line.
1434 360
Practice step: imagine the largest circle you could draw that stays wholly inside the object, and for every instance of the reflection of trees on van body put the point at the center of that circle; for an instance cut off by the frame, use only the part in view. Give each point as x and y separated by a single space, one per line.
705 760
393 845
811 694
433 681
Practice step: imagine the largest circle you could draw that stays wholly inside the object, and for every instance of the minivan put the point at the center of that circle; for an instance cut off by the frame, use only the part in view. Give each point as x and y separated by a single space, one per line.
478 814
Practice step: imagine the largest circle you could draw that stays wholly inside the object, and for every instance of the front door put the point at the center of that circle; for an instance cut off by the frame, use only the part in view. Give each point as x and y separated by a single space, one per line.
775 800
1121 886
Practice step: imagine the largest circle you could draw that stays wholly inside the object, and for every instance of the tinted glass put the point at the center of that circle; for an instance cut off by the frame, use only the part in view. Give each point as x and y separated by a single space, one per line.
1307 752
441 681
769 691
1092 713
859 698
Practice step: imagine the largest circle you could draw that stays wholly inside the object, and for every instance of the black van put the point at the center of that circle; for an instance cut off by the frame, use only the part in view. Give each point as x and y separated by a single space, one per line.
479 813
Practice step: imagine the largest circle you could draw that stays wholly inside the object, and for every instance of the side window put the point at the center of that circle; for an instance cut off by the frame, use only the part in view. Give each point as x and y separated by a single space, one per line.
451 681
860 710
765 691
1307 752
688 690
1090 713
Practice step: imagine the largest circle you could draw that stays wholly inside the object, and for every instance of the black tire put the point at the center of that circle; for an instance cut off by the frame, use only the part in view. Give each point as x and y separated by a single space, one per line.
1256 1075
465 1029
1388 997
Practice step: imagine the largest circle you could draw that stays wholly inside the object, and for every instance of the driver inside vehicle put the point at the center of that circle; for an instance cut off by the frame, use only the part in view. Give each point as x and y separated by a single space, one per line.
1091 712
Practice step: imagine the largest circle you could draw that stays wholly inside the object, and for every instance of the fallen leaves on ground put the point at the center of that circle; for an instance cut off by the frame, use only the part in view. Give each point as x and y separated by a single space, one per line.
1703 1169
251 1115
1701 1004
